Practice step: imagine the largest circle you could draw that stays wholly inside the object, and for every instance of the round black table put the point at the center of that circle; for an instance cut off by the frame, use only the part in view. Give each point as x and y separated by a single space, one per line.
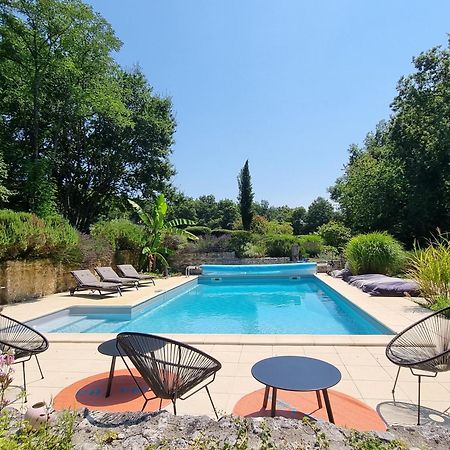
109 348
296 373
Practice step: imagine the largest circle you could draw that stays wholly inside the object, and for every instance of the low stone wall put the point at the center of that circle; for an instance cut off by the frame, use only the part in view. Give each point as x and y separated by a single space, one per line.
23 280
180 261
137 431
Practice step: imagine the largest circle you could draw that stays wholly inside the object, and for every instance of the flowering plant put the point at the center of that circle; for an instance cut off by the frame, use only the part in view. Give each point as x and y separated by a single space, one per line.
6 375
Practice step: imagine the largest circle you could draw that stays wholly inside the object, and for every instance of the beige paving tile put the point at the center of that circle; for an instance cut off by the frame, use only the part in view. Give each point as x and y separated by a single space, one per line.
226 357
429 392
245 385
247 357
222 384
380 390
368 373
280 350
348 387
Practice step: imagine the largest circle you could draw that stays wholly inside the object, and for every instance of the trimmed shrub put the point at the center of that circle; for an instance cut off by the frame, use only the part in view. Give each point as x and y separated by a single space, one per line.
311 244
430 267
122 234
199 231
375 253
280 244
24 235
335 234
221 232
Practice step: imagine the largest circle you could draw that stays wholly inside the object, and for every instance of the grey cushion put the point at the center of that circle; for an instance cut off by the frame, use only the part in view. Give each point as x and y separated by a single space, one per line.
382 285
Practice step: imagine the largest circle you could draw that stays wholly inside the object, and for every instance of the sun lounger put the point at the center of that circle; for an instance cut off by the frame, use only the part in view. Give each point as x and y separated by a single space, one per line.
128 271
108 275
86 280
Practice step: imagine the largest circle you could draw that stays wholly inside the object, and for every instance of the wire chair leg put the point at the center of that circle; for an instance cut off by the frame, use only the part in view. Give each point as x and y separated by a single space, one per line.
160 404
396 379
174 407
212 403
40 370
418 401
24 381
145 403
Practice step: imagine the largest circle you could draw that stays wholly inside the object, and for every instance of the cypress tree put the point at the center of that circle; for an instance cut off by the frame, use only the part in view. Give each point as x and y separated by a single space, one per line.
245 196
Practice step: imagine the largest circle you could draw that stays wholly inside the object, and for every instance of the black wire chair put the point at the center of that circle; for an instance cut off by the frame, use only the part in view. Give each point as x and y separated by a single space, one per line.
424 346
171 369
24 340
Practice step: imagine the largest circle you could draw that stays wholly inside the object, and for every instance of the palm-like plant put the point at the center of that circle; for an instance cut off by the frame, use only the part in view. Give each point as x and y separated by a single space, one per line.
156 226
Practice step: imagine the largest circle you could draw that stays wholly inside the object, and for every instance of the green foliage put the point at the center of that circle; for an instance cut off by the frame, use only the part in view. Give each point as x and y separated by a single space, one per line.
76 131
398 181
311 244
92 251
245 196
254 250
57 436
298 220
335 234
363 441
280 245
198 230
4 191
24 235
375 253
122 234
320 211
430 267
239 239
221 232
156 226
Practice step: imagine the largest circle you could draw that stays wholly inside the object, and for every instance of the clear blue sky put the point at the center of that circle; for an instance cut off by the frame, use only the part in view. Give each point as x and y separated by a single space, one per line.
287 84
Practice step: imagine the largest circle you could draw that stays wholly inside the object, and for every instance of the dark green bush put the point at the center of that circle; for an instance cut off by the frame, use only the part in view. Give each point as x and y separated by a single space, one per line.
311 244
335 234
199 231
221 232
280 244
374 253
24 235
122 234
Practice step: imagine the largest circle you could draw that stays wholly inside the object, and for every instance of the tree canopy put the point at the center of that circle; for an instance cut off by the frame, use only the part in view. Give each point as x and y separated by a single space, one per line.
78 133
398 180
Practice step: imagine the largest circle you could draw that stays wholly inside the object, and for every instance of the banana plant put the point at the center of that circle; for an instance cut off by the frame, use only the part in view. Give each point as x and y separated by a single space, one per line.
156 225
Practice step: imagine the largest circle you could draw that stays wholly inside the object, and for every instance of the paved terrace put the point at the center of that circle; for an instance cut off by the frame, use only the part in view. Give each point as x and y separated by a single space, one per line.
366 373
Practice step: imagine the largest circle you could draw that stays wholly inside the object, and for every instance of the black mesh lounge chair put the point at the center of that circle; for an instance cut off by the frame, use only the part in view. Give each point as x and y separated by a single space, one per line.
423 346
171 369
25 342
127 270
86 280
108 275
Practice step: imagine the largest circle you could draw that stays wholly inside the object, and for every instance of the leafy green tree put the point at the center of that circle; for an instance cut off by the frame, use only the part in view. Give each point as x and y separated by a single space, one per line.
156 227
298 220
4 192
320 211
335 234
78 133
228 212
207 211
245 196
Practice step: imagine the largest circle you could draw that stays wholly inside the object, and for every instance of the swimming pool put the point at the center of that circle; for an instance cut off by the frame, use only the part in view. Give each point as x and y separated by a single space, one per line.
229 305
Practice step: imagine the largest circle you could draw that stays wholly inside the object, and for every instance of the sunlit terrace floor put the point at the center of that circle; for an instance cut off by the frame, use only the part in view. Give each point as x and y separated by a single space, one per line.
367 375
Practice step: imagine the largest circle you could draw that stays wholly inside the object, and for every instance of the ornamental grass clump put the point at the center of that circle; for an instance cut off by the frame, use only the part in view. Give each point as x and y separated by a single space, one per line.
430 267
375 253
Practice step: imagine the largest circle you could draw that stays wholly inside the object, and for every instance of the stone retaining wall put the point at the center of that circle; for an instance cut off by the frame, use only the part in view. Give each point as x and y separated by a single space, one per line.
180 261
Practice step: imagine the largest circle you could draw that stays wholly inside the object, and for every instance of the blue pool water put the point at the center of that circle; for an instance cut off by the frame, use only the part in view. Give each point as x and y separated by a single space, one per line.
230 305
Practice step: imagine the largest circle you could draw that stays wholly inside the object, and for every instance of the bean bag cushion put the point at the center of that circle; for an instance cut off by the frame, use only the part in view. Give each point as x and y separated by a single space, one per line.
382 285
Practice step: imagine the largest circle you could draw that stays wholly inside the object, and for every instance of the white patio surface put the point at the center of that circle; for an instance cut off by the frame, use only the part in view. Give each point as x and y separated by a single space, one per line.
366 373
